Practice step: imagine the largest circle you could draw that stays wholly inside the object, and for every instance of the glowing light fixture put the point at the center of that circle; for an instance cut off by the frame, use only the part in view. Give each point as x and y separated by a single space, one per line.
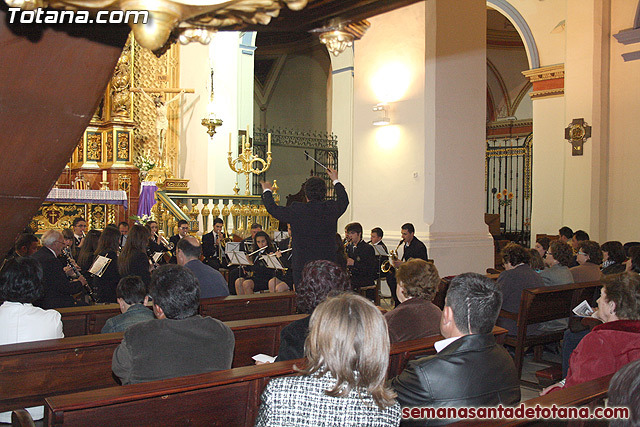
385 119
211 122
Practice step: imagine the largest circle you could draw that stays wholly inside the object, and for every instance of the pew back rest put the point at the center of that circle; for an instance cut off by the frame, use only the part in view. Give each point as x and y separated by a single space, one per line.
590 393
239 307
222 398
90 320
218 398
29 372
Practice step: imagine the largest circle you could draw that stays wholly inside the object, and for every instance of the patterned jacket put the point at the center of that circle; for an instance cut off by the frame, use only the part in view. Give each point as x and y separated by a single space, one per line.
301 401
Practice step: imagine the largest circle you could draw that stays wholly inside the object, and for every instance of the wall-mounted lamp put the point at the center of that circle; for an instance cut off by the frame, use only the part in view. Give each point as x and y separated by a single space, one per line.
384 120
211 122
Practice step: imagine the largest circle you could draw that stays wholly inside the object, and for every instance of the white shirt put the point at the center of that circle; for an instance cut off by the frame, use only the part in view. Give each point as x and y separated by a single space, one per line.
442 344
23 323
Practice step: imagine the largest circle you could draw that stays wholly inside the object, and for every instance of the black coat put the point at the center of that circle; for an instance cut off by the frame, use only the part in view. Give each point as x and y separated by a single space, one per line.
313 225
106 285
364 270
57 287
471 371
416 249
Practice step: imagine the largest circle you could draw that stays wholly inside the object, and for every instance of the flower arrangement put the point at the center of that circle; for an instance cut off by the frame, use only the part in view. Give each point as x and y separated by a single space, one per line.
141 220
505 198
144 163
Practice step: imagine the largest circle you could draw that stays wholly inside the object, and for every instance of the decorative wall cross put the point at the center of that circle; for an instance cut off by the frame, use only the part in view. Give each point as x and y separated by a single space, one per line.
577 133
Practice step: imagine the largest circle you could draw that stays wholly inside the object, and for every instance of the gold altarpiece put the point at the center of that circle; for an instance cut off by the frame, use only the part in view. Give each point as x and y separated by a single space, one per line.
120 132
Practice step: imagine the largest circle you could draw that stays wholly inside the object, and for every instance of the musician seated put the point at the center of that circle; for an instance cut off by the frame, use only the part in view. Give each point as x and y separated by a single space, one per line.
376 240
132 298
212 283
212 245
361 258
284 279
58 289
257 276
248 243
183 231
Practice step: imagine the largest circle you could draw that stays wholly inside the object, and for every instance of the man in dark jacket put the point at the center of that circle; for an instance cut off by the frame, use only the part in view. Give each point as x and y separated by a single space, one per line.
470 369
314 223
179 342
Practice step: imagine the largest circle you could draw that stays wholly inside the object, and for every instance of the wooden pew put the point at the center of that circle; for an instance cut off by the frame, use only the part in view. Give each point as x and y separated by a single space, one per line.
90 320
540 305
29 372
219 398
590 393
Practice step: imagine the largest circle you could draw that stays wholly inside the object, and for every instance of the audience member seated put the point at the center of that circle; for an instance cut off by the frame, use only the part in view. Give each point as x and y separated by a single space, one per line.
132 297
535 260
542 245
613 257
320 279
557 260
105 285
179 342
565 234
578 237
133 260
21 285
589 258
26 245
624 390
633 263
416 316
470 369
614 343
518 276
58 290
212 283
343 383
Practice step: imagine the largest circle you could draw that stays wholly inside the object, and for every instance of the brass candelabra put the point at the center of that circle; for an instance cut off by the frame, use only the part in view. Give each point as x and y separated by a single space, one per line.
244 163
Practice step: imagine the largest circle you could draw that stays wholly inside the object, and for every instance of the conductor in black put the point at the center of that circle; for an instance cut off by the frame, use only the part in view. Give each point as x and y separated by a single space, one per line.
314 223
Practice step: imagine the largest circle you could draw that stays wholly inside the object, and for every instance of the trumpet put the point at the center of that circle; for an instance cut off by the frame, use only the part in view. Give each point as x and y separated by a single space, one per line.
164 242
393 256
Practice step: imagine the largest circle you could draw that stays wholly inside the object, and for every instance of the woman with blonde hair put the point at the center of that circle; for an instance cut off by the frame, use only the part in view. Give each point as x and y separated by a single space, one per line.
343 383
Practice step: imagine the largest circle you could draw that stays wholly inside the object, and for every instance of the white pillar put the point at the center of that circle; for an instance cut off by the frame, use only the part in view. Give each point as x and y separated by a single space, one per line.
455 128
342 123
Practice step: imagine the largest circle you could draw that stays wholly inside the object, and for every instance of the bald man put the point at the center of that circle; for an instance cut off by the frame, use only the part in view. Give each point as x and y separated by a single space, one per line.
212 283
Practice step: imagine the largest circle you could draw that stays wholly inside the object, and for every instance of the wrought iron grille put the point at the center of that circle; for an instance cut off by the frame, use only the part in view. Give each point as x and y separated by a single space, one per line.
320 145
508 186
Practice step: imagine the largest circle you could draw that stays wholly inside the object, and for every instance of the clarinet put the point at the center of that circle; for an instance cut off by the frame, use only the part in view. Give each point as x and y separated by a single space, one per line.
71 263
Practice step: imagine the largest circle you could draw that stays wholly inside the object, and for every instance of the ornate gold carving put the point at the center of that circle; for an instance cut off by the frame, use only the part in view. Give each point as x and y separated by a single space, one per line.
80 151
57 215
123 145
97 213
109 147
120 85
94 146
545 73
124 183
547 93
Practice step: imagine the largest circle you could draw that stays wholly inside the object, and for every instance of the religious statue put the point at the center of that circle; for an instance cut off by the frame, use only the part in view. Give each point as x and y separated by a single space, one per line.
162 122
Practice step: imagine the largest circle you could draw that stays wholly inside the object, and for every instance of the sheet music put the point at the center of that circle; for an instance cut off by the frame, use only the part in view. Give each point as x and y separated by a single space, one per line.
99 265
232 247
156 256
272 261
380 250
238 258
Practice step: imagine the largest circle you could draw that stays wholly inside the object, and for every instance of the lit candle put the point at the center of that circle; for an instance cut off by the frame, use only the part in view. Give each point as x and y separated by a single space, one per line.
229 142
104 176
268 143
